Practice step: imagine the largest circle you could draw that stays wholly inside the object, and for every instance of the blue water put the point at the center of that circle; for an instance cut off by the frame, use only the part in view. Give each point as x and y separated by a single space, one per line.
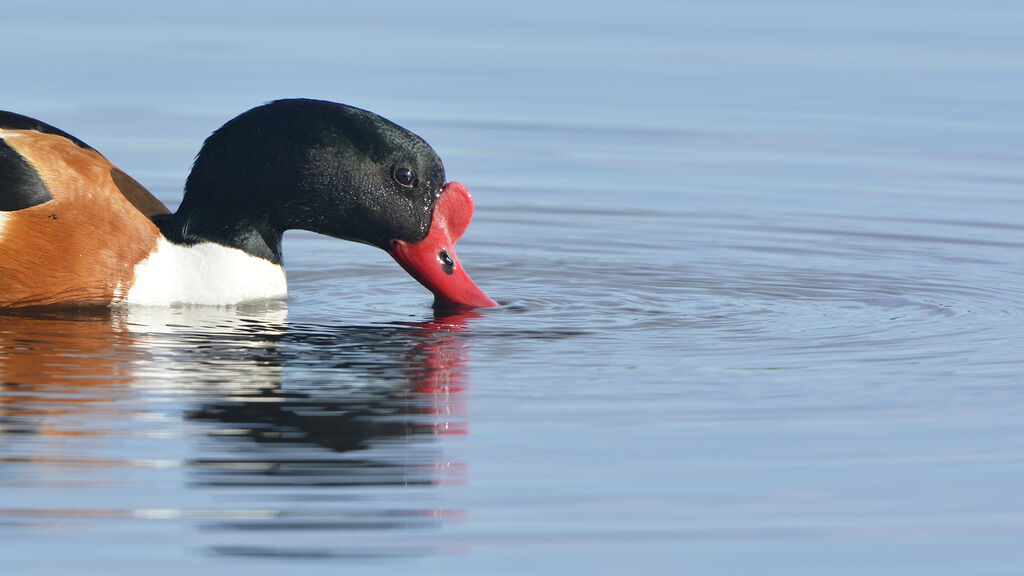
762 276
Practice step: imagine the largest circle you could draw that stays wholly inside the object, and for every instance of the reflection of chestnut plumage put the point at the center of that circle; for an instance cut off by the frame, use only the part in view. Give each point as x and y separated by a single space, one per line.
76 230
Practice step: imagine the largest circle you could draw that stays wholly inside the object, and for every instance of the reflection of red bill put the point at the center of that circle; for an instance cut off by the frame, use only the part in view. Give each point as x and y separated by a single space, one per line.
432 261
440 375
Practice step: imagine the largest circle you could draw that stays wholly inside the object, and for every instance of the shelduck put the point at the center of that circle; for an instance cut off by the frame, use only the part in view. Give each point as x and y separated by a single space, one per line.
75 230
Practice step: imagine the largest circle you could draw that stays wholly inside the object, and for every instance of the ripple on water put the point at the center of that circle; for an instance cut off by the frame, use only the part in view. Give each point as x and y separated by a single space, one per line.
824 288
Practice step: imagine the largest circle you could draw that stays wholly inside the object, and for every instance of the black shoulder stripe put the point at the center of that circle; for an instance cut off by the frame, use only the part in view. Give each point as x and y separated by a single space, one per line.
12 121
20 184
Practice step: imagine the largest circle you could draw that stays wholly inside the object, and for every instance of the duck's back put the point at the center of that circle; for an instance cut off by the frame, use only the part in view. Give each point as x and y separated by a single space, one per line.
72 225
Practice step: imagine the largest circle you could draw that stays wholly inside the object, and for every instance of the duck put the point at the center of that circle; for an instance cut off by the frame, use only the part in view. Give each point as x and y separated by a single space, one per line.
75 230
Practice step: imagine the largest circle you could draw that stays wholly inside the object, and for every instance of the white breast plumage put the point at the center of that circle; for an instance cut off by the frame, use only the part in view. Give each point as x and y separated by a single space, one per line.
205 273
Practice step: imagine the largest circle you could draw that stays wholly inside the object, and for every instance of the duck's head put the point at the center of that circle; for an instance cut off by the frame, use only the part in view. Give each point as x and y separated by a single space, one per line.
335 170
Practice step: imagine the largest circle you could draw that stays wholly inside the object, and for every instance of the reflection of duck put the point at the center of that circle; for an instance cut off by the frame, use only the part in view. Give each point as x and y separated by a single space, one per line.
76 230
64 372
284 407
343 388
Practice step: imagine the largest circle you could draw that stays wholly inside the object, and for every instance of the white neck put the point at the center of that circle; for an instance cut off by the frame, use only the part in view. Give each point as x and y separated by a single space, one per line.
204 273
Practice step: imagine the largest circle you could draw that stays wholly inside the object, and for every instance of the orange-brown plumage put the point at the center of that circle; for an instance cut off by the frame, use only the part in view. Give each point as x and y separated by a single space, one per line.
80 247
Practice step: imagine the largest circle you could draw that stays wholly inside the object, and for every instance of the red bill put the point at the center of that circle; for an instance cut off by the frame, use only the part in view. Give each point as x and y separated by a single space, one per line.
433 262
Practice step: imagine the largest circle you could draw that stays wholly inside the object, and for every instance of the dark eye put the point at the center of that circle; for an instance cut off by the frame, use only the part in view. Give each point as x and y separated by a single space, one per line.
405 177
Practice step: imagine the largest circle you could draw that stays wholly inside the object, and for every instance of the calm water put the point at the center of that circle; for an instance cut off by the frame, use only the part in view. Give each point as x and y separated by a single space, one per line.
762 276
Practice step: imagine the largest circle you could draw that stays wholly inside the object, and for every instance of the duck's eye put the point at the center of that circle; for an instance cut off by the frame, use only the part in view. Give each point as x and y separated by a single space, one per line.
405 177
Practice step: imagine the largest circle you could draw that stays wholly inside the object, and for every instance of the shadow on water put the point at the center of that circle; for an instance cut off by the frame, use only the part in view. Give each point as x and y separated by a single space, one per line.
303 428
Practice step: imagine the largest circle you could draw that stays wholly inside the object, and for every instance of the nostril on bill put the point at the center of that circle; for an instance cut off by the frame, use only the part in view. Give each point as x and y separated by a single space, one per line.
447 263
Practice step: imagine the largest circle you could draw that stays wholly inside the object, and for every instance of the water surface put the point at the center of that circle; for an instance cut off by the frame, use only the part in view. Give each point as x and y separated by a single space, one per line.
761 281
